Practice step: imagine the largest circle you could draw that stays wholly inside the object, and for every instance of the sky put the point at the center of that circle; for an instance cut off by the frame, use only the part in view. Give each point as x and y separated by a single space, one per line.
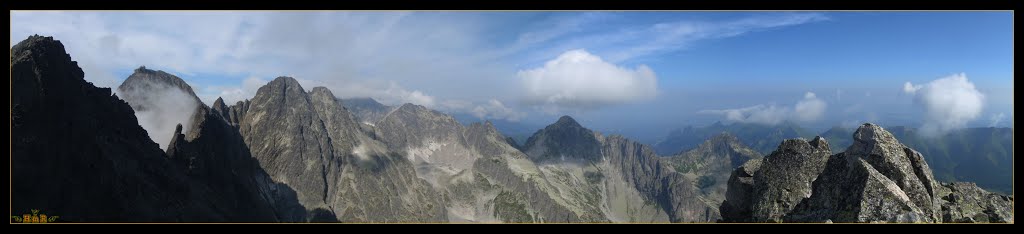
640 74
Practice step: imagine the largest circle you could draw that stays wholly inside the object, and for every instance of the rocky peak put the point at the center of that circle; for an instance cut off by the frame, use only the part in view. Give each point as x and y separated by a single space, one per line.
144 79
321 91
220 108
898 163
567 121
564 139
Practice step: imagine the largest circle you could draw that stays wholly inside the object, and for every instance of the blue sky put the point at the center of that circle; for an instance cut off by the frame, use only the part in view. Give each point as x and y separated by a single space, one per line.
637 73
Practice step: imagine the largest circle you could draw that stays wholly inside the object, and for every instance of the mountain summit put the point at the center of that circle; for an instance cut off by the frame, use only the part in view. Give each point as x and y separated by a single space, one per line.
563 140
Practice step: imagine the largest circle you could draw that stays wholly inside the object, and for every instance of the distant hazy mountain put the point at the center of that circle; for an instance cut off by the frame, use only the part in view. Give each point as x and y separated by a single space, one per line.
517 130
876 179
980 155
762 138
366 110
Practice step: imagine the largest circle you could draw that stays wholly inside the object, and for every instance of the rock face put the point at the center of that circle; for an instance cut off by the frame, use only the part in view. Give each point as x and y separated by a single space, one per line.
785 176
309 142
740 193
483 177
674 193
877 179
79 152
966 203
768 190
573 142
712 162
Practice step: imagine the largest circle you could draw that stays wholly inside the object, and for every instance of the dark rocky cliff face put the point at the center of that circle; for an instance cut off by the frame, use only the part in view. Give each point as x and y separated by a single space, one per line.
80 153
674 193
877 179
308 140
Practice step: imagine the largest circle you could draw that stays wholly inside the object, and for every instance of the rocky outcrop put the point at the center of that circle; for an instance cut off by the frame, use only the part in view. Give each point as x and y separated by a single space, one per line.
740 193
877 179
766 190
563 140
785 176
963 202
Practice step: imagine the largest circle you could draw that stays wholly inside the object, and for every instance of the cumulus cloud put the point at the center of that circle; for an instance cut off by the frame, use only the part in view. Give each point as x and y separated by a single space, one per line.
948 102
580 80
159 108
808 109
494 109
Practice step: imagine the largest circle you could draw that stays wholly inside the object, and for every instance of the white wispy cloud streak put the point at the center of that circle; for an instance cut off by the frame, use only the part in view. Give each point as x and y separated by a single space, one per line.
427 58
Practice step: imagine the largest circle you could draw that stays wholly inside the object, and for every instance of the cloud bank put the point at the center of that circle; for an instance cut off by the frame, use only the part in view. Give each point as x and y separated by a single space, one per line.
580 80
808 109
948 103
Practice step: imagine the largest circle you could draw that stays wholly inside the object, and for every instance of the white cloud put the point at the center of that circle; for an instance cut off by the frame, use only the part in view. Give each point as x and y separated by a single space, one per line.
808 109
494 109
159 108
949 103
579 80
762 114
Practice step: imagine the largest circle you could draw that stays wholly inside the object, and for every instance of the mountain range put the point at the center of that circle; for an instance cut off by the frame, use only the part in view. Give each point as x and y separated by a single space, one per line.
289 154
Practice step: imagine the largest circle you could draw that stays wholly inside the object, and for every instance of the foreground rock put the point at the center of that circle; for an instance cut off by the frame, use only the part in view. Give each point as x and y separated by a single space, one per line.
963 202
877 179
